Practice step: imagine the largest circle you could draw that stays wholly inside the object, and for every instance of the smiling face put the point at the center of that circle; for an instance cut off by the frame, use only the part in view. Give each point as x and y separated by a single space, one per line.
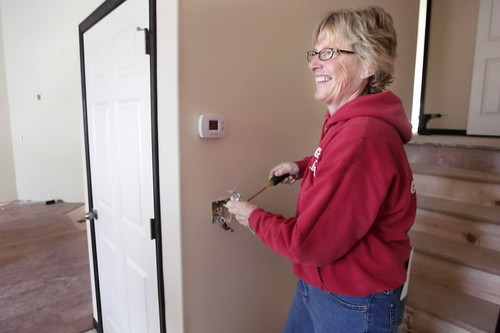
339 79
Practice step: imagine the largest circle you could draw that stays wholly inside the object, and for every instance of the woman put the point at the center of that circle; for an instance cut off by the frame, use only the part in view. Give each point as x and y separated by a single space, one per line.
348 241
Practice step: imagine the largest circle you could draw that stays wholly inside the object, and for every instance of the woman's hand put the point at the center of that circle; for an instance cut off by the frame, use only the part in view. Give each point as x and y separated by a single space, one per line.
241 210
283 168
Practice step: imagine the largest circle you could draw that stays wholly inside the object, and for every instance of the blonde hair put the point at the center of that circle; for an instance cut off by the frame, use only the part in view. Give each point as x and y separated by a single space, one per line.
371 34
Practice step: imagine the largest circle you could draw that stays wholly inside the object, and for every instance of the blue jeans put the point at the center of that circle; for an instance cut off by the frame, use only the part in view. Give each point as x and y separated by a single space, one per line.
317 311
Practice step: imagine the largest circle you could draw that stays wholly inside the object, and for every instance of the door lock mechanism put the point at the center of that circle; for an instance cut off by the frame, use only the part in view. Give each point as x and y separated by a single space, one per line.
92 215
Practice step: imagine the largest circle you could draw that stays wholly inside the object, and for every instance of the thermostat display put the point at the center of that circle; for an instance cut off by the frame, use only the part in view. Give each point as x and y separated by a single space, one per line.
211 126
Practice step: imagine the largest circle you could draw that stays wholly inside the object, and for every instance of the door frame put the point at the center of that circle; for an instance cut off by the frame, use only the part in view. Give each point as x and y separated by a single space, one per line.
97 15
424 118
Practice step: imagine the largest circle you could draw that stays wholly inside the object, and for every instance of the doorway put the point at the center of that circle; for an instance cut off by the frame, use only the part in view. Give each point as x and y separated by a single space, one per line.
457 72
118 59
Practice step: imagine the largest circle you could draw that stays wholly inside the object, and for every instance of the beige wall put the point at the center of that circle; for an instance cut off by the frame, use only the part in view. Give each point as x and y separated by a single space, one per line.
244 60
451 54
7 172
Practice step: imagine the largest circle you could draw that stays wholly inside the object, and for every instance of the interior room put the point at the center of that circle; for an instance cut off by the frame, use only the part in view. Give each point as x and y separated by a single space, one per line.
245 60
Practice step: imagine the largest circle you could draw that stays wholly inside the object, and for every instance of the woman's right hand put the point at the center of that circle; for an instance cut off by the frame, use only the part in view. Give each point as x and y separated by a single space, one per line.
283 168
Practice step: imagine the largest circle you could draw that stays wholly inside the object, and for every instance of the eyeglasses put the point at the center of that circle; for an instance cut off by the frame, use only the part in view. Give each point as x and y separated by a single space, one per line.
325 54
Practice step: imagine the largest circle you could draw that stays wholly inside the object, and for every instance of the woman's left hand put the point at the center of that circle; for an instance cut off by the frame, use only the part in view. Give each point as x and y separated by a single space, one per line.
241 210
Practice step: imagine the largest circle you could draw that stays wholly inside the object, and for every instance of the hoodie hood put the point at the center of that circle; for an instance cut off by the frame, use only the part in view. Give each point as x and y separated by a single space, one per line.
385 106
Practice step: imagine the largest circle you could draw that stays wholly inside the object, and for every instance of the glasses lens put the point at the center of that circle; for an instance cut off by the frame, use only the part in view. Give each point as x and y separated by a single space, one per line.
325 54
310 55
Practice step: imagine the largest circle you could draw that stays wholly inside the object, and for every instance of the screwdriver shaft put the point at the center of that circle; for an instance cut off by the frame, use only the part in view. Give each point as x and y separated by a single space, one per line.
256 194
275 180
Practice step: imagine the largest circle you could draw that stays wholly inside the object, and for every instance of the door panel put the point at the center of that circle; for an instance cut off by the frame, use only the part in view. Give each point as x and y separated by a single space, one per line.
484 111
120 153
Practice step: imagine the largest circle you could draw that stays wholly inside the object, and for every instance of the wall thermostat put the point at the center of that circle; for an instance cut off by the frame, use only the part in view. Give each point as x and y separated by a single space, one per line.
211 126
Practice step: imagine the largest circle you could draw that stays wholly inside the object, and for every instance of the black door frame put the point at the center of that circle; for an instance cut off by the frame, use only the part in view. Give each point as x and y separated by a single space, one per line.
102 11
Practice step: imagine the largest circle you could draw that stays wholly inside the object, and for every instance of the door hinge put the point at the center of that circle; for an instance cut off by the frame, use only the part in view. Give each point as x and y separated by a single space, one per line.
153 228
147 39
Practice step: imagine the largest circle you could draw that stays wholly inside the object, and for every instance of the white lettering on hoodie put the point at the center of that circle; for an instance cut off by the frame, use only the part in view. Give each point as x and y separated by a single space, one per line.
317 154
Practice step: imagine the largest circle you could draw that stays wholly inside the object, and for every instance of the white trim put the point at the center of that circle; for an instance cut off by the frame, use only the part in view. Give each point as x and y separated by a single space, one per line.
419 64
169 160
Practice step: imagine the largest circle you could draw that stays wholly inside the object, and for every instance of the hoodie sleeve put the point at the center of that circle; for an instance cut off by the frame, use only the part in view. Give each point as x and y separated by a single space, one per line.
302 164
336 208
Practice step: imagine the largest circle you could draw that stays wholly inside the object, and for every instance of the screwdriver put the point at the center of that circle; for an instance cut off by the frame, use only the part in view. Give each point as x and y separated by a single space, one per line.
275 180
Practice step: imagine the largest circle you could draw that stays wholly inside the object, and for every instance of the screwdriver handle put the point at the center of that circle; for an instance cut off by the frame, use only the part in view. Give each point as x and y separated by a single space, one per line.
275 180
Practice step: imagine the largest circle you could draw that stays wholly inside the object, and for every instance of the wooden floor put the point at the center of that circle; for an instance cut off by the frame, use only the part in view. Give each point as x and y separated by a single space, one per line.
44 269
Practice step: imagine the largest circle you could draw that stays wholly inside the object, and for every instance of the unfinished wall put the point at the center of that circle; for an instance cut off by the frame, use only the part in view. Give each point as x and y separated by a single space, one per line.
452 43
44 95
7 172
245 60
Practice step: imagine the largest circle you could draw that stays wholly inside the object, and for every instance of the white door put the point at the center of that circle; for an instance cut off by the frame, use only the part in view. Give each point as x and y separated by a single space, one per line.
484 111
120 153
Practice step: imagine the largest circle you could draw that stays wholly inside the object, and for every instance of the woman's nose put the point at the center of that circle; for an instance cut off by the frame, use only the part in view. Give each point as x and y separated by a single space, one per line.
315 63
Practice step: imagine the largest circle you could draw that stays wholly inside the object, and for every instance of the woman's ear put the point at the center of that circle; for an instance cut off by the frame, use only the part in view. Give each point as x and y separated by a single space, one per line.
368 72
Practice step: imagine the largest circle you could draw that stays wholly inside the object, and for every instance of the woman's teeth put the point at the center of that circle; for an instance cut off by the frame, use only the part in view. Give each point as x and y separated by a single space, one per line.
323 79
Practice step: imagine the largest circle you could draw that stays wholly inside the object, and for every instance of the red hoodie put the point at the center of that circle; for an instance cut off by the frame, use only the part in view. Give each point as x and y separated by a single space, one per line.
356 202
